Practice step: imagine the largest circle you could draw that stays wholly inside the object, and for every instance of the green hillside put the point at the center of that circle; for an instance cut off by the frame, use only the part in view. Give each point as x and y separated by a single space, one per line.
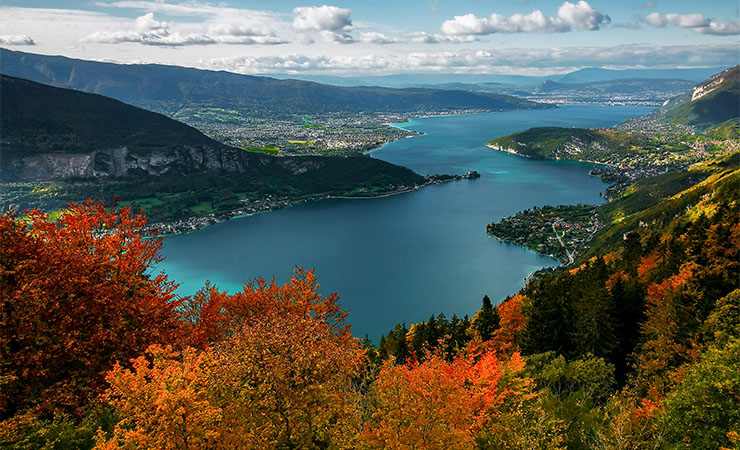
37 118
568 143
711 103
665 201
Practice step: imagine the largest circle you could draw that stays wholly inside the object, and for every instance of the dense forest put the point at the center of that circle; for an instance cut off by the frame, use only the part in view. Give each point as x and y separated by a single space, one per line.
635 347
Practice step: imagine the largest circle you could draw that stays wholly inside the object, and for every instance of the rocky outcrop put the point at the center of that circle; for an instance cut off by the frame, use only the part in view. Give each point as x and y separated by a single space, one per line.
117 162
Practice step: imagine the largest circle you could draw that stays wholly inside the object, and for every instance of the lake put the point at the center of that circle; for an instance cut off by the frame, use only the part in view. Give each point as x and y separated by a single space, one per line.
405 257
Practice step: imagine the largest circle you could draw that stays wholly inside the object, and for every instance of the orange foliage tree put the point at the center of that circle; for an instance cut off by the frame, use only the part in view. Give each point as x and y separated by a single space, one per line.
505 339
440 404
211 316
75 296
277 372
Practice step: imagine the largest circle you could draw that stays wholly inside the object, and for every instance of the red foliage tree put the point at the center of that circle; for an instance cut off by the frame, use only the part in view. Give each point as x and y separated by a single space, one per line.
212 316
75 297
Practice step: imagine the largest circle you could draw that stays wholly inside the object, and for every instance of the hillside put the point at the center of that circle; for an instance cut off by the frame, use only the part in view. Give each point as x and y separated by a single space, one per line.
566 143
60 145
166 88
668 201
37 118
711 103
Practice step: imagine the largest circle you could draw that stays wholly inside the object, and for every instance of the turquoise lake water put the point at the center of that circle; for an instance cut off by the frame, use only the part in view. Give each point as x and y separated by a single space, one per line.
405 257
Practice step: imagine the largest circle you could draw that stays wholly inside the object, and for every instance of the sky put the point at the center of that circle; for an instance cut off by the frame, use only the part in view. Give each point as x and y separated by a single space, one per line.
377 37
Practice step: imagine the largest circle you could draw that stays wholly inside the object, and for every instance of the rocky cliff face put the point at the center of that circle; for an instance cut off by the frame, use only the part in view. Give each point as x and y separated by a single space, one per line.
117 162
122 162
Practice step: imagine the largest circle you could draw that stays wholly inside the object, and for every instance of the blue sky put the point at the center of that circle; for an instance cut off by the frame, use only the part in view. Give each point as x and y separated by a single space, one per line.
380 36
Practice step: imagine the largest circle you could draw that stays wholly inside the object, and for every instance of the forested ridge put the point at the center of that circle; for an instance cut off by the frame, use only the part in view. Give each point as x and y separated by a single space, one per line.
635 347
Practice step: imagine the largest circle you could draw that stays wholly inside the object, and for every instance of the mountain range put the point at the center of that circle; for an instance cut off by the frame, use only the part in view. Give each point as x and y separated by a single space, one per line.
586 75
168 88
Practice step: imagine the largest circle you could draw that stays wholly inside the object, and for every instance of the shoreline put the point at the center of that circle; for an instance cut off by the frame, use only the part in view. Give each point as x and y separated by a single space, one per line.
514 152
192 224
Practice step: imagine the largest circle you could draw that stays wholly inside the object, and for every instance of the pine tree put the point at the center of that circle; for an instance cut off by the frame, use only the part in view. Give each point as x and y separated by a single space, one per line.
486 320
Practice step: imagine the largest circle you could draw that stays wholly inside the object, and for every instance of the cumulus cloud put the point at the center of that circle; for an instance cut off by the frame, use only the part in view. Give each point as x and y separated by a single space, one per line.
322 18
148 30
523 61
18 39
580 16
696 22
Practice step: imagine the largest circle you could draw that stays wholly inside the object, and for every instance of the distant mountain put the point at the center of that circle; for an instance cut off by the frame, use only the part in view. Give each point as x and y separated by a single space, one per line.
448 80
597 74
711 103
94 146
406 80
644 90
626 86
168 88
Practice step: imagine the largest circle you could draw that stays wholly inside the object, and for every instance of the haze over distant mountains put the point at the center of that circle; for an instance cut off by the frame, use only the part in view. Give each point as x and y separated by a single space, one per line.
579 76
167 88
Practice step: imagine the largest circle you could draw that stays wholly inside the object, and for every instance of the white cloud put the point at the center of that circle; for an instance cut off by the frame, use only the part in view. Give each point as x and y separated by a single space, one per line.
720 29
522 60
322 18
340 38
17 39
427 38
696 22
656 19
580 16
147 30
377 38
256 22
184 9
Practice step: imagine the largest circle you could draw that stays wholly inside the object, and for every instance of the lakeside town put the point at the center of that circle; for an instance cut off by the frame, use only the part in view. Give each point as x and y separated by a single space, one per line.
559 232
330 134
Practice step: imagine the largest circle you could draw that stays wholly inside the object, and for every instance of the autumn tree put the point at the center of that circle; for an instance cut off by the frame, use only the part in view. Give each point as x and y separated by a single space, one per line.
76 295
512 323
280 376
442 404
